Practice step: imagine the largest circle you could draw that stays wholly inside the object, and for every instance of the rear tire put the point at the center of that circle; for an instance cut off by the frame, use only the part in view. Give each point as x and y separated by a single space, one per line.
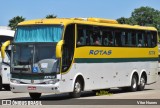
0 83
77 89
35 96
142 84
134 84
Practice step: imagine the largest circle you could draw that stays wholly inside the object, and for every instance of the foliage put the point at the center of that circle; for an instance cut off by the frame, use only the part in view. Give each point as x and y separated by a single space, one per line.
14 22
144 16
124 20
51 16
103 92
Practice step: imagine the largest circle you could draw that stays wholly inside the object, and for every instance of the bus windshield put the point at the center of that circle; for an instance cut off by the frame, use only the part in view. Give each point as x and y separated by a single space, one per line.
34 49
38 33
35 58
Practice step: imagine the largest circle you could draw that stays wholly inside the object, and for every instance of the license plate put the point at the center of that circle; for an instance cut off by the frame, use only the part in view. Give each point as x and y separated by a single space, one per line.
31 88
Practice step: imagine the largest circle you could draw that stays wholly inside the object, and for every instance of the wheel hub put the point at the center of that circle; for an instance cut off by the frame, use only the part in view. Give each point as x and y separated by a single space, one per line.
142 82
77 87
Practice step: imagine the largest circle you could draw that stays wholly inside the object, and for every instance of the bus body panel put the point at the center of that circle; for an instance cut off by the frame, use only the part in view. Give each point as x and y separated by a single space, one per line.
39 88
5 74
102 76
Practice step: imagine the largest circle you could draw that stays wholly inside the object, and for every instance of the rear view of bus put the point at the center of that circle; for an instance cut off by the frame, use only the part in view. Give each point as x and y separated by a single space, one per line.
6 36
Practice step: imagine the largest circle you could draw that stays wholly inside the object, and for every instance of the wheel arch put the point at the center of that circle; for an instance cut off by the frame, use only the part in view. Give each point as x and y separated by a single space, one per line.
81 78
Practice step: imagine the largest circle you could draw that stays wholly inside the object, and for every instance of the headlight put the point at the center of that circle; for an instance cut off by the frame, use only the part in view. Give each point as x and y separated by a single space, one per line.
15 81
52 81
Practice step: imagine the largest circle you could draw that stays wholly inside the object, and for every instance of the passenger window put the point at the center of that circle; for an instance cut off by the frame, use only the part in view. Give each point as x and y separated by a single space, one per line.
118 40
81 37
97 38
140 39
105 36
145 39
153 39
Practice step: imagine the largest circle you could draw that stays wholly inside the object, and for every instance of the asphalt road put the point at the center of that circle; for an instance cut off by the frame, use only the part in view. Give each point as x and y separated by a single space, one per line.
116 97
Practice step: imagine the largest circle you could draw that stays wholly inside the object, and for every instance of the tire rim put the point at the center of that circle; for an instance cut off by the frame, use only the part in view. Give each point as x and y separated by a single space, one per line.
142 81
134 83
77 87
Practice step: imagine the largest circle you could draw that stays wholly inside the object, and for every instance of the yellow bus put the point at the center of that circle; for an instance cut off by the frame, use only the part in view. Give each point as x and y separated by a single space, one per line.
70 55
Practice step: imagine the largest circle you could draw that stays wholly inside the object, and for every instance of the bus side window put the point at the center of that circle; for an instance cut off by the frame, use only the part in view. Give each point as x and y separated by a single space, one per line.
80 38
153 39
97 38
123 38
111 38
89 39
149 38
118 40
105 39
140 39
133 39
145 39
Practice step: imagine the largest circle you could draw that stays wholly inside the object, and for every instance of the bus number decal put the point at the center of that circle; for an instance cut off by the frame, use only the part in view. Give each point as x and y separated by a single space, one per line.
100 52
151 52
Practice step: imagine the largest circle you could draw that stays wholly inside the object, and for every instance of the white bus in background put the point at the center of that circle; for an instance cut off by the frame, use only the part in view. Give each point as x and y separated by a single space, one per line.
5 35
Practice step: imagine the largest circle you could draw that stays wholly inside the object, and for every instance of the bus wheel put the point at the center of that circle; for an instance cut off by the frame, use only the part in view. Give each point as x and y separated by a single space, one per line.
142 83
0 83
35 96
77 89
134 84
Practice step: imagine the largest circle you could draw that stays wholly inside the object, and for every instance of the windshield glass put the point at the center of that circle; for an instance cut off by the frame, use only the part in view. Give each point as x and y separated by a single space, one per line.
38 33
22 54
35 58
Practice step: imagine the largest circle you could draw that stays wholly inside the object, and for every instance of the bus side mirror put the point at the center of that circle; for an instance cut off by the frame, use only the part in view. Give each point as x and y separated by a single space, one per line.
3 48
59 49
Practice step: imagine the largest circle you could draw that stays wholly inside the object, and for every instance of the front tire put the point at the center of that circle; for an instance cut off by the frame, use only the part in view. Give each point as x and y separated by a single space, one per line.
35 96
142 83
77 89
134 84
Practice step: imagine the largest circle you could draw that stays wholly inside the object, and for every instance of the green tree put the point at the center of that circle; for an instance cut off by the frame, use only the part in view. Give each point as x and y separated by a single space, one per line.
14 22
124 20
144 16
51 16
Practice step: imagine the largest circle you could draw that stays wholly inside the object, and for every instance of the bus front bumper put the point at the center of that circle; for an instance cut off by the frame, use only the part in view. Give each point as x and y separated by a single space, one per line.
35 88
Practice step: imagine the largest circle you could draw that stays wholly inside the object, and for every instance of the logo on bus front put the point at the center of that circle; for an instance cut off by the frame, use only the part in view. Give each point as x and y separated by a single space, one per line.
100 52
35 69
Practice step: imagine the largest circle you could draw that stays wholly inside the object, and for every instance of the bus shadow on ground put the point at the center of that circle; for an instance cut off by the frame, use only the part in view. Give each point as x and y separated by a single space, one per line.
120 90
66 96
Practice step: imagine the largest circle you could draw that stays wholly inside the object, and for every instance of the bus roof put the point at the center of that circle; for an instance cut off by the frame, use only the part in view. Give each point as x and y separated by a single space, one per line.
88 21
5 32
